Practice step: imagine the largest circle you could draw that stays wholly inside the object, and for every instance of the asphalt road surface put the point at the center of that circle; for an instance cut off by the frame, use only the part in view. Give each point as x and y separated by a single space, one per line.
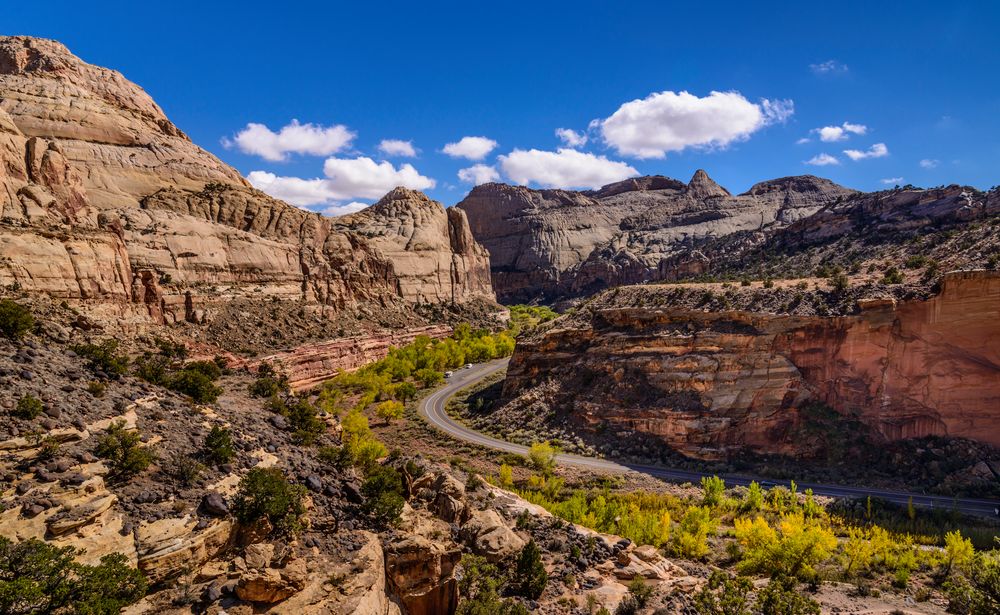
432 408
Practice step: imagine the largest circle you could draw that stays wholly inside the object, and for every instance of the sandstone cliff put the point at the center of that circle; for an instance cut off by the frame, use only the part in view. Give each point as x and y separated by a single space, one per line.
555 243
709 384
103 199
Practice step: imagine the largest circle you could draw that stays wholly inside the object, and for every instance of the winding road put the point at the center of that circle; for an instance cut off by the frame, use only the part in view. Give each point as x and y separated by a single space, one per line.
432 409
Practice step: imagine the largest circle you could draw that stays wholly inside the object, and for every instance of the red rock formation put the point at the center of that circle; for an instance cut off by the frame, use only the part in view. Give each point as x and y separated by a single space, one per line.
311 364
712 383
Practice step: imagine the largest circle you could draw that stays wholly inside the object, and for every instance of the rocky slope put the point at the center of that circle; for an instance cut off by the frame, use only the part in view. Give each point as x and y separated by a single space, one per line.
105 201
714 383
548 244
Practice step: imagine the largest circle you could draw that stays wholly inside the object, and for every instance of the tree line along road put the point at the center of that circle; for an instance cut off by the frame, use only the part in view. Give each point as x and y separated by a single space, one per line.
432 409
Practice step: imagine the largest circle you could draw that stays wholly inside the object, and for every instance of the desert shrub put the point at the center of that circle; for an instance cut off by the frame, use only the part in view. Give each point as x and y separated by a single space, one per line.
543 456
389 411
506 476
218 445
104 356
404 391
28 407
123 451
690 539
892 276
185 469
781 598
383 493
268 382
96 388
36 577
977 592
724 595
529 577
15 319
628 606
194 384
479 588
712 488
754 498
265 492
210 369
152 369
171 349
840 283
304 420
958 550
792 550
640 590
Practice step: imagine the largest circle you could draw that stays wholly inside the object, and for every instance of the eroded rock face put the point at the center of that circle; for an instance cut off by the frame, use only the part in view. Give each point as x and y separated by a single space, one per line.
708 384
102 198
555 243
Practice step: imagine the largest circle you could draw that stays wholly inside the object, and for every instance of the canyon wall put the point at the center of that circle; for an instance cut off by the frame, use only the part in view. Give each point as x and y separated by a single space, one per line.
550 244
710 384
103 200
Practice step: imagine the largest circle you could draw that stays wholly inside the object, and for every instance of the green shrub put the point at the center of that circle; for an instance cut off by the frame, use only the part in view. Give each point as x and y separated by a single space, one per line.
152 369
712 488
893 276
195 385
977 592
28 407
265 492
36 577
96 388
210 369
479 586
529 578
640 590
15 319
383 493
781 598
690 540
219 445
724 595
104 356
543 456
268 382
123 451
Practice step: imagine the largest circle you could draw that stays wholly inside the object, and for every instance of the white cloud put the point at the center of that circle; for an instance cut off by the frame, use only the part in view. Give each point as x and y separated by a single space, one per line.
892 181
397 147
879 150
342 210
473 148
829 67
565 168
929 163
345 179
294 190
479 174
830 134
803 141
670 122
295 138
822 160
362 177
571 138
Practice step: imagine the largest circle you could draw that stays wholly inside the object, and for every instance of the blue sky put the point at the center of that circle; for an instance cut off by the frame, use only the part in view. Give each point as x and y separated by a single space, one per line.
910 87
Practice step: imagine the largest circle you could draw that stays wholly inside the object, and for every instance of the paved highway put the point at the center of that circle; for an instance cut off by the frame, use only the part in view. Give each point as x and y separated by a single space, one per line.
432 408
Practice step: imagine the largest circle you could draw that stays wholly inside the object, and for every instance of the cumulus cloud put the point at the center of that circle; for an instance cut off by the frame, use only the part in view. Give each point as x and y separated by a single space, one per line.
479 174
342 210
892 181
362 177
831 134
345 179
564 168
397 147
571 138
822 160
830 67
929 163
879 150
473 148
671 121
295 138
